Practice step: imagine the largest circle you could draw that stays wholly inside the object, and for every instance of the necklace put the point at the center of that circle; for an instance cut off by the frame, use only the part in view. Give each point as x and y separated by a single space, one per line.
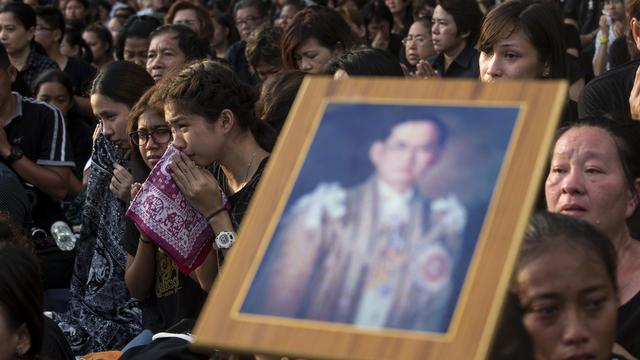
246 177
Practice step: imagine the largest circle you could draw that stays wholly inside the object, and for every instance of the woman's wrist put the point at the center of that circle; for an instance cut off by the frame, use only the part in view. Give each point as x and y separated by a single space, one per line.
221 222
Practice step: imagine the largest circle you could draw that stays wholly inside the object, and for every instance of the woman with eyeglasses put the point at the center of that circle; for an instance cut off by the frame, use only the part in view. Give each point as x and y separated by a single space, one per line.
417 44
167 295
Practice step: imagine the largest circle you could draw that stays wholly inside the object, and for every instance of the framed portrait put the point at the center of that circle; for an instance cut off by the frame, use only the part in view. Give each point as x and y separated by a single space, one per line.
387 222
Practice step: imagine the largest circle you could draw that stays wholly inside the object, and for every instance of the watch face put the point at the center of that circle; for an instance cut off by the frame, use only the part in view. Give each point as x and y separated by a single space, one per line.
224 240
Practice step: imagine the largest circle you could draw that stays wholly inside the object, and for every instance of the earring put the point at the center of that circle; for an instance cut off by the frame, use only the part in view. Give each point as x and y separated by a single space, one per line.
546 73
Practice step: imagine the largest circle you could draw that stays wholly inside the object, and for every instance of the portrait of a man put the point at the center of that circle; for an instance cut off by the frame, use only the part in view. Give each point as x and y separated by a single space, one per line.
372 250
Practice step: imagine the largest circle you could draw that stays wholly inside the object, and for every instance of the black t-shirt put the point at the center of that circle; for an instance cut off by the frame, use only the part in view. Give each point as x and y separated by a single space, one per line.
239 64
239 202
81 74
13 197
629 326
609 93
174 296
40 131
54 345
465 65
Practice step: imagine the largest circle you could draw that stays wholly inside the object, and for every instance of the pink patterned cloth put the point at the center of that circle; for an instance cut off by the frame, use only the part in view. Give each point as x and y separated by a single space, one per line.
166 217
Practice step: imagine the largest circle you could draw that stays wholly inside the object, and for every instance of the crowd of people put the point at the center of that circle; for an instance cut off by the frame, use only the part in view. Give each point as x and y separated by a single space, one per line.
94 92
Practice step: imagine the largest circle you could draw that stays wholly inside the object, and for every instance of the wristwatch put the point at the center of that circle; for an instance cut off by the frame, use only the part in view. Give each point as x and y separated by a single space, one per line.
225 239
14 155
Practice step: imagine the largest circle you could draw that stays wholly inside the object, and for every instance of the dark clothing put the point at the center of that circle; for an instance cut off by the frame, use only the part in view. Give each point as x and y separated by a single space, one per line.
585 12
80 136
239 202
54 345
239 64
13 197
465 65
629 326
395 46
609 93
101 314
81 74
571 37
36 64
174 295
40 131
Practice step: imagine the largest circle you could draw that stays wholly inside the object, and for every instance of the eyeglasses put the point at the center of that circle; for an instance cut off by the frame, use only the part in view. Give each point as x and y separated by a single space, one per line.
249 20
418 39
161 135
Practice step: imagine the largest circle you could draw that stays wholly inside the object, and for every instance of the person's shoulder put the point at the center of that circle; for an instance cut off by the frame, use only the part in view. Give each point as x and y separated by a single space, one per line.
624 73
435 58
36 109
77 66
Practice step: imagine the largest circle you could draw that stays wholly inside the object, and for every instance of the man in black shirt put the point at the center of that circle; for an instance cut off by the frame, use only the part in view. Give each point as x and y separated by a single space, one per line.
34 144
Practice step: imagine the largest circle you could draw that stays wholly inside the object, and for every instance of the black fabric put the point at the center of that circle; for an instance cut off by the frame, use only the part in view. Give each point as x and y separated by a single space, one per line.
395 46
36 63
239 64
618 52
13 197
81 74
239 202
629 326
465 65
571 37
80 136
585 12
102 315
54 345
609 93
174 296
41 133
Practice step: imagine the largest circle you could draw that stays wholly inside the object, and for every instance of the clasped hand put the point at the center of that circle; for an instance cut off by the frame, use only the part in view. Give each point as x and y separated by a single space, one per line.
198 185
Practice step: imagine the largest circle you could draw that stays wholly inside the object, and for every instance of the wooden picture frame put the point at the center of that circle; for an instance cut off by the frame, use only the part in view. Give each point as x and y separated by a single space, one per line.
270 300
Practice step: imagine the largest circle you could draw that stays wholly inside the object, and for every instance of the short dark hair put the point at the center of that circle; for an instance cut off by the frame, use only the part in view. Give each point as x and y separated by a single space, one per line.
322 23
263 7
366 62
263 46
206 88
53 17
277 96
122 81
540 22
633 9
467 16
135 27
22 12
190 43
376 11
54 75
548 231
103 34
73 37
